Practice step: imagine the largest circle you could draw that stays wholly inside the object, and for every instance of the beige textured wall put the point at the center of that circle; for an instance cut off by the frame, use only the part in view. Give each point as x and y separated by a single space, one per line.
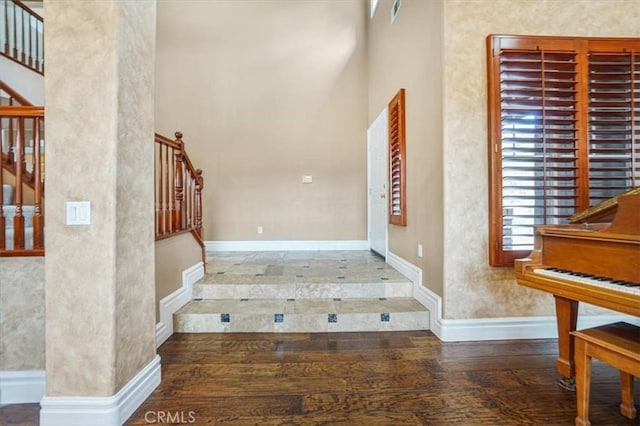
21 313
174 255
100 326
135 234
408 53
473 289
266 92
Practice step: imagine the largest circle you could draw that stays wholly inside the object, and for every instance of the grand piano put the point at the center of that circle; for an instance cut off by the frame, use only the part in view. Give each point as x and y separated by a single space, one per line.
595 259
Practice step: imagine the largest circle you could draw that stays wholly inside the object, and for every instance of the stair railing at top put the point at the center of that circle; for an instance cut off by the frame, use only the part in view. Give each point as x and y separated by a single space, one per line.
178 191
22 35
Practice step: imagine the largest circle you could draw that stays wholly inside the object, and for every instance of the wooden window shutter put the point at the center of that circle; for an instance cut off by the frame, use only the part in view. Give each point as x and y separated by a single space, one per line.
397 161
563 132
614 119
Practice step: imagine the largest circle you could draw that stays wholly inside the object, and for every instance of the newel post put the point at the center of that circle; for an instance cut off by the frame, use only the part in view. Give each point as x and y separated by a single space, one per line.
198 201
178 179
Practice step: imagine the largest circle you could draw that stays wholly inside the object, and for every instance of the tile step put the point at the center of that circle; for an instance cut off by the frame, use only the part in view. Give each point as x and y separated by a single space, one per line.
306 290
301 315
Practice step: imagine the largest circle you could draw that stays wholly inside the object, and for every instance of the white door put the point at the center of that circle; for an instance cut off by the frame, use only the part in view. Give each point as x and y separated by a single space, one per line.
377 182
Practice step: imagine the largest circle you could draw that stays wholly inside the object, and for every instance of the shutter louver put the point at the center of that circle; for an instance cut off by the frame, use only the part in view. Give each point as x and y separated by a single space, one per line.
635 167
614 121
538 142
397 201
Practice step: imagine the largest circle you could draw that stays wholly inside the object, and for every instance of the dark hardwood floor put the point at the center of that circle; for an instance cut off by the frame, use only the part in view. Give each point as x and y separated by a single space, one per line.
388 378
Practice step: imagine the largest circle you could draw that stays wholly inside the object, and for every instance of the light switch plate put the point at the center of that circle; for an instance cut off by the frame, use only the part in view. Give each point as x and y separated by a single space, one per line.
78 213
307 179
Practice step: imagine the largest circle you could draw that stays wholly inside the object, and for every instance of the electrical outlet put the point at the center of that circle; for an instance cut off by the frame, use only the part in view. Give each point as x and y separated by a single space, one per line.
259 229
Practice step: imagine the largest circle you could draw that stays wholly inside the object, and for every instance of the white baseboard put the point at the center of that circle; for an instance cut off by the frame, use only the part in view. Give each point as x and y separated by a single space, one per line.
102 411
213 246
170 304
21 387
517 327
433 303
428 299
466 330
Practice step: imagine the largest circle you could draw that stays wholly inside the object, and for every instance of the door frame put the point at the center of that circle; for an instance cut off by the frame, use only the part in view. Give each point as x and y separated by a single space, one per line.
380 125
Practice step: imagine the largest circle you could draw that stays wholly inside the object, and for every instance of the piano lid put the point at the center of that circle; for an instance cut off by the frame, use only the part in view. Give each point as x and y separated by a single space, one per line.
602 212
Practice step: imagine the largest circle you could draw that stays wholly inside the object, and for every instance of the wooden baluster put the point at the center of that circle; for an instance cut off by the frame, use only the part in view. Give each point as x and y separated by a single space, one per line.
30 45
18 218
2 218
188 202
159 191
22 159
198 202
24 32
6 28
11 146
30 176
157 169
38 219
3 237
168 187
178 194
37 52
15 33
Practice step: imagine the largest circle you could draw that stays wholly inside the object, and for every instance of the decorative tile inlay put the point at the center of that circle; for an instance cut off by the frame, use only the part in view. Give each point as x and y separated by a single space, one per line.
384 317
220 272
244 300
384 278
197 299
341 278
225 318
337 299
333 318
382 298
291 300
299 276
278 318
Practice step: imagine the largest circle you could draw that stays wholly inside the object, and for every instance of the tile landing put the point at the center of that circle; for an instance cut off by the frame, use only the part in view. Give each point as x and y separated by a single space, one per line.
301 291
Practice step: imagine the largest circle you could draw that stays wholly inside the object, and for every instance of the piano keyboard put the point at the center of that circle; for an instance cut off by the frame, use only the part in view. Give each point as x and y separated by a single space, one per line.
623 286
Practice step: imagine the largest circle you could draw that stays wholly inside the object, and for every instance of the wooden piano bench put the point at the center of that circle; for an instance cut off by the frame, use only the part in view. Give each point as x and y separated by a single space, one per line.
616 344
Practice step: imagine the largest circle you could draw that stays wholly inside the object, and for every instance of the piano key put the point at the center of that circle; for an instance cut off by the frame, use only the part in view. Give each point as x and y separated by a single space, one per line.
597 281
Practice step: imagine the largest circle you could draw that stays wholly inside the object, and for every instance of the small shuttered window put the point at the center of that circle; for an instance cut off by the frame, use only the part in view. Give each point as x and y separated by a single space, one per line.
564 132
397 161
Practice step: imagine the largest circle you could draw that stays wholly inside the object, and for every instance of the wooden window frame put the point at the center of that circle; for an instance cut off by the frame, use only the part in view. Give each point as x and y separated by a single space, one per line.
397 160
584 48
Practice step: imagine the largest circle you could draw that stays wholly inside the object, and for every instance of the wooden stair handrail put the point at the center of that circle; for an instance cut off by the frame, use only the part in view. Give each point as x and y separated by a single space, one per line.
178 191
13 95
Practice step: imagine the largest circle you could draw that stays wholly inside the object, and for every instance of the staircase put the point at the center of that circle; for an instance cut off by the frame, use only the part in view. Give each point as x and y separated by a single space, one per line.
300 291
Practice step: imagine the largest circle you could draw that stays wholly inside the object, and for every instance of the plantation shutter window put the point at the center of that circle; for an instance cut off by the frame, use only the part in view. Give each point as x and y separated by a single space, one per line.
614 121
397 161
563 132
